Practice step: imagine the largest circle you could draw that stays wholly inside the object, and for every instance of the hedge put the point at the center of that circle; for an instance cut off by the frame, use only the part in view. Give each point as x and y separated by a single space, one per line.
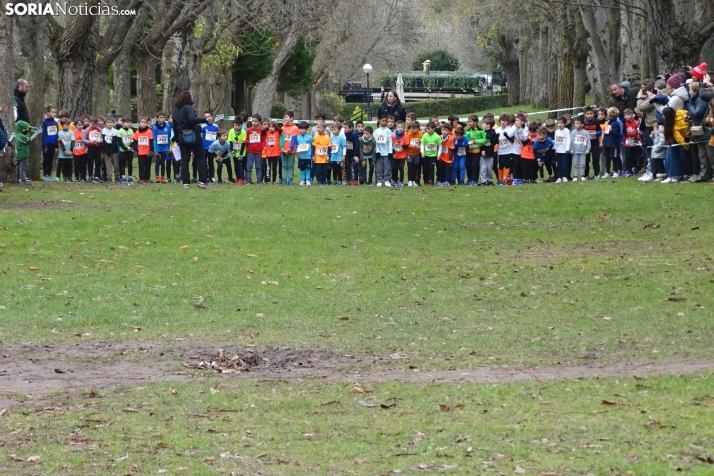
440 107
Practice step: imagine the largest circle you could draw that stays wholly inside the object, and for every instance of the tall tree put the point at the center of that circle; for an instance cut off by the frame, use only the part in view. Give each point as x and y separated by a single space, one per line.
7 84
74 48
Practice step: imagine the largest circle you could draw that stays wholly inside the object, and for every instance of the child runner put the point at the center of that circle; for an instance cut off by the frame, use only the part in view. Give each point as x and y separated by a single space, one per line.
461 145
504 148
383 137
562 149
236 137
287 156
144 143
125 137
304 153
221 150
272 152
109 147
580 148
611 140
446 157
487 152
209 136
93 136
80 152
162 145
65 139
413 151
430 143
352 157
338 152
367 148
256 143
50 129
321 143
400 145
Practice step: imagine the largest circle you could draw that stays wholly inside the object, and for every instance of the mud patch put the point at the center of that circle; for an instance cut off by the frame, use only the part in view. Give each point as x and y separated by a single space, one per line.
39 205
30 371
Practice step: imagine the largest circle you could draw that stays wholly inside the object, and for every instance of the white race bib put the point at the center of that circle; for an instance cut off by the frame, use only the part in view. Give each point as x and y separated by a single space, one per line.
414 143
444 149
51 130
367 149
397 147
303 147
254 138
631 142
608 129
95 136
126 140
461 151
335 148
322 151
210 135
580 140
559 140
349 146
270 141
67 142
236 146
163 139
430 148
381 139
143 140
108 139
79 146
503 143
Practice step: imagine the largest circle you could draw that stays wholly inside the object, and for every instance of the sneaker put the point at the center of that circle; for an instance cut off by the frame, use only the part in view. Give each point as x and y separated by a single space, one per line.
302 183
628 174
410 184
344 182
46 178
130 180
644 178
240 182
98 180
669 180
186 185
202 185
693 179
615 175
400 184
379 184
559 181
387 184
67 180
308 183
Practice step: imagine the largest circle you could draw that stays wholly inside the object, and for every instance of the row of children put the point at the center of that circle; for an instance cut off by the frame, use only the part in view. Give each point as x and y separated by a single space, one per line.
516 152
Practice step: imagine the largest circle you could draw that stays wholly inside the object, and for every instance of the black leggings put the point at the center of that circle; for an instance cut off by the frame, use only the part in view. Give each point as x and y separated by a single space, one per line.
273 163
66 166
94 161
227 163
443 171
160 164
238 167
126 160
398 170
48 156
199 161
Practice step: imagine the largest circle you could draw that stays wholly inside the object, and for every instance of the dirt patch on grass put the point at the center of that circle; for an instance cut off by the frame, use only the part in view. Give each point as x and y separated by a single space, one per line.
39 205
30 371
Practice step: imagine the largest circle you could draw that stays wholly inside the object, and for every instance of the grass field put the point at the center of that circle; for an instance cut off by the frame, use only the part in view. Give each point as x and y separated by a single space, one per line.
449 278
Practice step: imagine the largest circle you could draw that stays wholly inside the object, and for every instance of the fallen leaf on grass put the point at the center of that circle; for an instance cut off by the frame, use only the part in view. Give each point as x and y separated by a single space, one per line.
196 357
444 408
610 402
3 411
388 406
130 410
461 439
707 459
33 459
519 470
356 390
251 255
173 390
366 404
200 304
33 268
331 402
184 247
652 423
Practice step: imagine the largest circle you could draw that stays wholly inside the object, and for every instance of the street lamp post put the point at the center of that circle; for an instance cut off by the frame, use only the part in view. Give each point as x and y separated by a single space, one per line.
367 68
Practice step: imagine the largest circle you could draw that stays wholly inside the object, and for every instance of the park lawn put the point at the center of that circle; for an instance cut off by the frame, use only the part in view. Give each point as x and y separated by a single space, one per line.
444 277
656 425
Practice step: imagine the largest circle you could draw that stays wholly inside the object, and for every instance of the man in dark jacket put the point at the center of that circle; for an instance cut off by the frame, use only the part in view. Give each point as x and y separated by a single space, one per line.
20 91
622 99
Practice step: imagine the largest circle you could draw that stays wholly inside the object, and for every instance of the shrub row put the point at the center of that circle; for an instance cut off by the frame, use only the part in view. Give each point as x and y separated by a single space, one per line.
440 107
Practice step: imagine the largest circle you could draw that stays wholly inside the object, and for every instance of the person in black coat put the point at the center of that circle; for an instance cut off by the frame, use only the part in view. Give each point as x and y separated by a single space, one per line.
185 118
392 106
19 93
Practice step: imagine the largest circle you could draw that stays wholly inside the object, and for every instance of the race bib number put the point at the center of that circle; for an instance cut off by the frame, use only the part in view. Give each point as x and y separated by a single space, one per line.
397 147
95 136
287 138
162 140
67 142
79 146
108 139
580 140
254 138
381 139
631 142
303 147
444 149
322 151
236 146
608 129
126 140
210 135
51 130
430 148
367 149
560 140
461 151
414 143
335 148
503 143
143 140
349 146
270 141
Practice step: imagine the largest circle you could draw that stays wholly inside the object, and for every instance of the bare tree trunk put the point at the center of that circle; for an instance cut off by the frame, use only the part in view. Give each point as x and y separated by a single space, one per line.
33 39
74 48
265 90
174 72
101 90
194 73
7 84
306 109
122 82
602 25
145 83
581 51
509 61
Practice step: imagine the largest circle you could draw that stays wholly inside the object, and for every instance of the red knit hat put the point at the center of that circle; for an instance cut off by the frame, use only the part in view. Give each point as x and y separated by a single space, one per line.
699 71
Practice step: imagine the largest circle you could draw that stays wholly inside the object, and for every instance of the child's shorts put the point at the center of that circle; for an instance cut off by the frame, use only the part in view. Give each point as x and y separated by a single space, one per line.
412 159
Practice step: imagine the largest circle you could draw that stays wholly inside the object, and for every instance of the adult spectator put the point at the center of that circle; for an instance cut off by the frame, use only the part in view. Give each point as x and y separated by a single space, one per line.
392 106
622 98
186 120
698 108
20 91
